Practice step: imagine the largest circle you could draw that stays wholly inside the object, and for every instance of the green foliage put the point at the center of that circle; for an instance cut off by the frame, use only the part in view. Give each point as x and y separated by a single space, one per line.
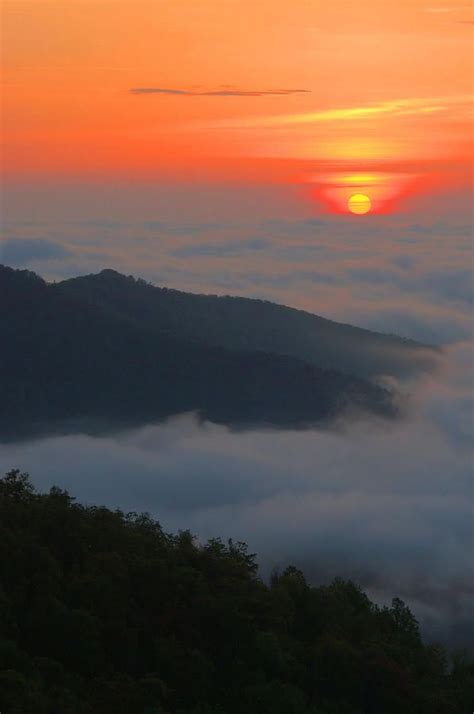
103 612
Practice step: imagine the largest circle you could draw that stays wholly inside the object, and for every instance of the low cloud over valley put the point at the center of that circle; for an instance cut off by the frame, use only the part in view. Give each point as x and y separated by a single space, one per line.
388 505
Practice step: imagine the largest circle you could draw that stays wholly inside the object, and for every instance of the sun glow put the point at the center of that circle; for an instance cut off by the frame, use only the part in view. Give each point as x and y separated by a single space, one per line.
361 180
358 193
359 204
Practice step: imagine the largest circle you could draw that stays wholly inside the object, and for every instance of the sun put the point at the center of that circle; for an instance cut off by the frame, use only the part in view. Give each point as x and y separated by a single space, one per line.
359 203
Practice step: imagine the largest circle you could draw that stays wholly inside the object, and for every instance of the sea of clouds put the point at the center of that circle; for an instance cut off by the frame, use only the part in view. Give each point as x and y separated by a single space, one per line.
389 504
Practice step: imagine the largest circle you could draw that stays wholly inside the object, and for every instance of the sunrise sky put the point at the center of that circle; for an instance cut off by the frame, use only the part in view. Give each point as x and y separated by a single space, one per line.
332 95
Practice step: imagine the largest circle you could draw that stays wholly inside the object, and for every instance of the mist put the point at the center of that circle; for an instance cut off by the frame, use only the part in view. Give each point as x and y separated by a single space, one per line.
388 504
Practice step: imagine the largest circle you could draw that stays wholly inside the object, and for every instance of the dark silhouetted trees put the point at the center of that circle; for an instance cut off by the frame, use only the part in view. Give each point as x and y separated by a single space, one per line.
102 611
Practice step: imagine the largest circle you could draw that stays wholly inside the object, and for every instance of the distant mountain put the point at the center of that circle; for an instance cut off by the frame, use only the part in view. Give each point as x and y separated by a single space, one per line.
246 324
108 351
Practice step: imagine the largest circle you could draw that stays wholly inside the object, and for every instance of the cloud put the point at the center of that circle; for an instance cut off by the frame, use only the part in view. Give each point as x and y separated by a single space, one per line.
395 107
21 251
388 505
217 92
223 249
453 8
433 326
446 285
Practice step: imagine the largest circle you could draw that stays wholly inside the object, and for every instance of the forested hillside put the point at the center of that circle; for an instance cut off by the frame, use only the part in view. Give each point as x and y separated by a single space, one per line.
70 364
103 612
245 324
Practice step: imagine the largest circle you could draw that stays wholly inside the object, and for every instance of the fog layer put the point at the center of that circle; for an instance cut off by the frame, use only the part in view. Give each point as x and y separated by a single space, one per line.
387 504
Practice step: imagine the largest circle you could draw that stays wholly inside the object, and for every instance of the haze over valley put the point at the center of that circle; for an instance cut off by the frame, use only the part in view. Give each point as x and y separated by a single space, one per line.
220 414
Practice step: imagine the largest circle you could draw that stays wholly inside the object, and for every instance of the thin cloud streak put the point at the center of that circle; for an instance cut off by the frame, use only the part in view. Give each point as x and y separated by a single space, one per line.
396 107
217 92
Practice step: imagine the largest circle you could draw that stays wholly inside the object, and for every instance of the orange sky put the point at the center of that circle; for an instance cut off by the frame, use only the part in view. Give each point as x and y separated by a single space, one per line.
386 105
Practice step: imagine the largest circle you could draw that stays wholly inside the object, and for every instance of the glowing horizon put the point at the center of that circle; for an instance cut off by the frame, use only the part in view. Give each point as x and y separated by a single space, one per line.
107 89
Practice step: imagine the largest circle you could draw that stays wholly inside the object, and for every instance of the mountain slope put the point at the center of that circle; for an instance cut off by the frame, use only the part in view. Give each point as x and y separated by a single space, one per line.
116 616
71 362
242 323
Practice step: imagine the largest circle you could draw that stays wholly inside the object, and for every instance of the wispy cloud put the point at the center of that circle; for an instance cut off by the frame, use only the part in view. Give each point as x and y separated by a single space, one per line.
216 92
444 9
449 10
21 251
396 107
438 9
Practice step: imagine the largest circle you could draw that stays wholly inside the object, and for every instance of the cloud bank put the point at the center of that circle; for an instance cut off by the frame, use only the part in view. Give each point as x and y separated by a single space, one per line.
23 251
390 506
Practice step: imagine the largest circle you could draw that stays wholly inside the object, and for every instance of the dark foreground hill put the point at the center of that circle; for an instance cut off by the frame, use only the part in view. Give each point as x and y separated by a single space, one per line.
71 362
102 612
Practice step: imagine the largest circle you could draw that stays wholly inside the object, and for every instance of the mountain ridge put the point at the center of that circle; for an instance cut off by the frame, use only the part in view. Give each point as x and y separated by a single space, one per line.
240 322
116 275
107 351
